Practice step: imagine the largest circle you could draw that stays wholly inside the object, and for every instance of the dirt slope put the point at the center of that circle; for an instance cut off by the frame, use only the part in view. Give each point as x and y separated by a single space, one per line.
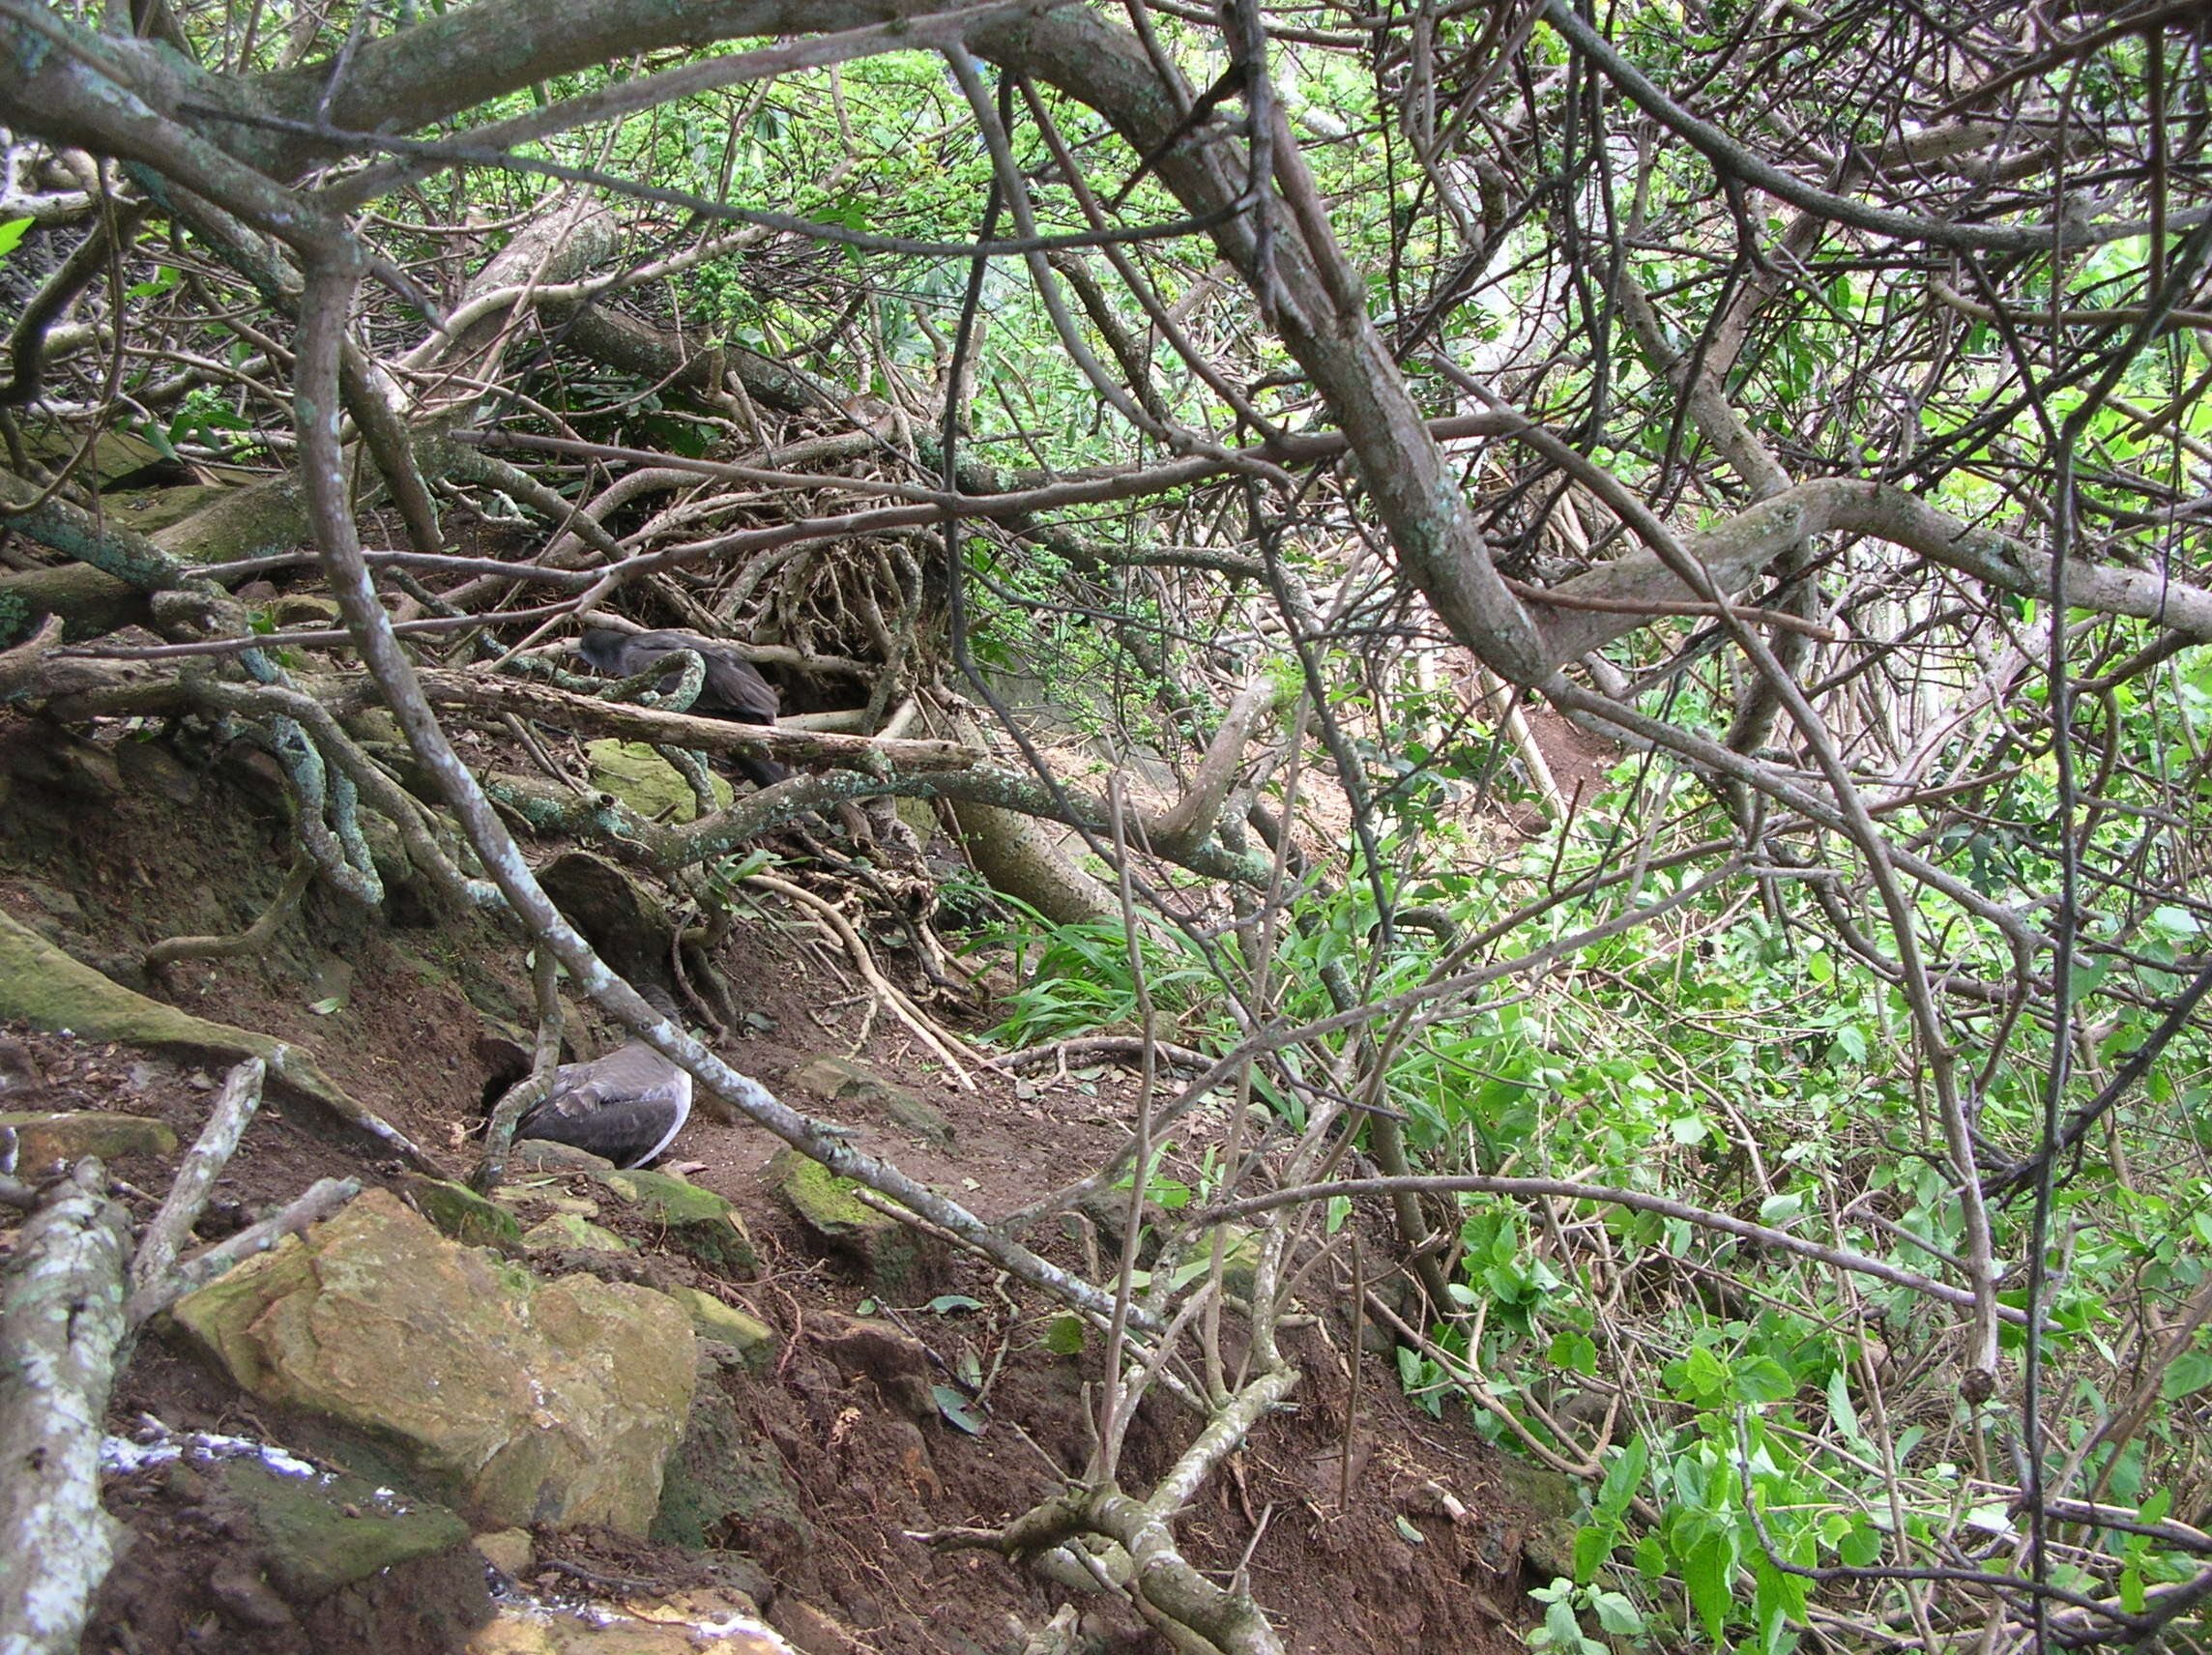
108 845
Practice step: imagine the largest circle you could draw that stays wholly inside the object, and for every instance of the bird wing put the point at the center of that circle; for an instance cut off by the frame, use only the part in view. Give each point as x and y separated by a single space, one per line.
625 1106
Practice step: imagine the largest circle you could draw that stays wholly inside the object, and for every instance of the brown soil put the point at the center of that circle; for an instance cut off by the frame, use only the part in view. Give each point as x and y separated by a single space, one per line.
107 869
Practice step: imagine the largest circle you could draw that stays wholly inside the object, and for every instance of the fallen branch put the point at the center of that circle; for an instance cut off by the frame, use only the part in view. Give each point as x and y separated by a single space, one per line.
226 1122
61 1322
1084 1048
323 1198
943 1045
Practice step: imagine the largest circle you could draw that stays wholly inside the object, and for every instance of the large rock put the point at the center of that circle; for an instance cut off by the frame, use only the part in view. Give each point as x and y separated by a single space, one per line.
896 1260
644 781
693 1220
322 1532
534 1401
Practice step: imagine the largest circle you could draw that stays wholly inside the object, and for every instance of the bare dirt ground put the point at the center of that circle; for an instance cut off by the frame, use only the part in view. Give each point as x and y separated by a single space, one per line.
106 850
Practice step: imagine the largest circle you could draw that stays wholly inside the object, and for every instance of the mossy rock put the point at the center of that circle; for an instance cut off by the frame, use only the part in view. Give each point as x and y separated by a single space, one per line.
752 1338
69 1136
644 781
894 1260
323 1532
531 1402
693 1220
460 1213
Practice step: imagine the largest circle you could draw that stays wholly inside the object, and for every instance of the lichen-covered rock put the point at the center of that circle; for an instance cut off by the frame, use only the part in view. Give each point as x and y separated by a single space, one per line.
461 1213
894 1260
67 1136
696 1221
841 1080
719 1324
535 1402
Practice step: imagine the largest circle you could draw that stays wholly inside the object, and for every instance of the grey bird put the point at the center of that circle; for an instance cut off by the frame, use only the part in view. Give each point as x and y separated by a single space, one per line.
734 688
626 1107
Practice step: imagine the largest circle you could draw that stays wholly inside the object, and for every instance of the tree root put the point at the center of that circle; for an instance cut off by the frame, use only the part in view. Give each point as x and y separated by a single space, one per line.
251 941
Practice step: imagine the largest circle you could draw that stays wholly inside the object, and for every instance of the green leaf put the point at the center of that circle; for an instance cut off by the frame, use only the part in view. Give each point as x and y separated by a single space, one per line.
12 232
945 1303
1622 1478
1840 1408
1574 1350
1782 1209
2191 1373
1706 1573
1861 1547
957 1409
1066 1336
1593 1544
1618 1615
1408 1532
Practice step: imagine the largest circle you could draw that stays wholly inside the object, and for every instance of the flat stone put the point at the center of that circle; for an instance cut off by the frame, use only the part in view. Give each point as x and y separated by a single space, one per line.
691 1628
459 1212
753 1339
693 1220
69 1136
544 1156
896 1260
151 767
841 1080
573 1229
535 1402
322 1532
509 1551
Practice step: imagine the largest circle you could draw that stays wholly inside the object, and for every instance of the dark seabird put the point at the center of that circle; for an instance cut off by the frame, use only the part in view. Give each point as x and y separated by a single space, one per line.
626 1107
734 688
